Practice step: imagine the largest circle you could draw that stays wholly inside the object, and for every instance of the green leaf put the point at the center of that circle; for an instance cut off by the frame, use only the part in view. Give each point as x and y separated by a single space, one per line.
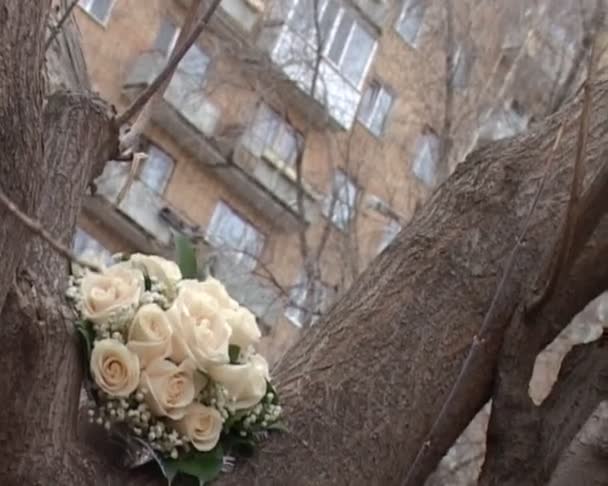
233 352
87 336
186 256
204 466
147 282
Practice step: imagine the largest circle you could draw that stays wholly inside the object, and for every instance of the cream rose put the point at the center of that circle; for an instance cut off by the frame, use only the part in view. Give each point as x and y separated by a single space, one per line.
245 331
200 332
165 271
168 388
110 292
202 425
213 288
244 383
150 334
115 369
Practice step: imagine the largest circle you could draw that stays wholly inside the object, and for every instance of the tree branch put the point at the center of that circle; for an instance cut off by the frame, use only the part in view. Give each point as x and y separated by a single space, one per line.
36 228
490 332
59 25
562 251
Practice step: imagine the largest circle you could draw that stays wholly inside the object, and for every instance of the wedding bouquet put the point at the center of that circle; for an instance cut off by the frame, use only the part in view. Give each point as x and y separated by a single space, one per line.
171 361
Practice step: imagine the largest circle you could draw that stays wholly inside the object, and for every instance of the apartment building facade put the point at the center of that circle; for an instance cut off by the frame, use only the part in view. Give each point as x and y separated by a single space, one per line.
291 148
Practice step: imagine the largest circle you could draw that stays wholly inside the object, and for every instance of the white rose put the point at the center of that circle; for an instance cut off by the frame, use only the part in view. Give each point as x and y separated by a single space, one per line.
168 388
202 425
115 369
214 288
245 383
165 271
150 334
200 332
106 294
245 331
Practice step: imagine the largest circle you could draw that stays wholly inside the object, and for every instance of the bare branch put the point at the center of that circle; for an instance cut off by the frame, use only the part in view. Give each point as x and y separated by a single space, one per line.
59 25
36 228
138 104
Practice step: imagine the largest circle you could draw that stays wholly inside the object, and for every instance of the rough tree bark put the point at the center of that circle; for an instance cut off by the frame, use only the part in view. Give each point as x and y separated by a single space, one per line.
363 386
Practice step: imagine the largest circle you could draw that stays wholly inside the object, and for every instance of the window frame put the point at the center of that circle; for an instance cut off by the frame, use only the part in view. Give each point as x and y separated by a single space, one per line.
358 22
332 213
146 145
251 141
294 307
237 254
407 4
85 5
172 44
367 121
423 144
98 247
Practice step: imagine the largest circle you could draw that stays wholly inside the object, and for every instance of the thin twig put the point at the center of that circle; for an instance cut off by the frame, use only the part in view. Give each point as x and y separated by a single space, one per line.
485 331
59 25
139 102
36 228
562 251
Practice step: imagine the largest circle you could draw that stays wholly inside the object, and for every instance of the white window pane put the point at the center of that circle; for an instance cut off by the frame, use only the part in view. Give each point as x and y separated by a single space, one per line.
340 204
425 163
100 9
302 19
300 307
388 235
285 144
165 37
194 64
411 20
338 43
240 240
329 16
375 107
356 57
87 247
156 169
368 102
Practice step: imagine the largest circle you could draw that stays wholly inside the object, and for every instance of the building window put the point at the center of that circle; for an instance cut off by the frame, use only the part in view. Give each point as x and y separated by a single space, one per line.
269 134
193 66
427 155
302 310
98 9
375 107
232 234
503 122
345 41
166 37
340 204
461 67
87 247
156 170
391 230
410 20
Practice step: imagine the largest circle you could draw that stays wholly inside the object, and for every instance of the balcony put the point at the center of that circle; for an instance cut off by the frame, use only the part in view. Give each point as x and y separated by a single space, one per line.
146 221
238 16
332 76
137 218
185 112
187 115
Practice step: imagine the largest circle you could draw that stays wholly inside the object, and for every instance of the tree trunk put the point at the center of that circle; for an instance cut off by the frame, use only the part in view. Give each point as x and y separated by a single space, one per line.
363 386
